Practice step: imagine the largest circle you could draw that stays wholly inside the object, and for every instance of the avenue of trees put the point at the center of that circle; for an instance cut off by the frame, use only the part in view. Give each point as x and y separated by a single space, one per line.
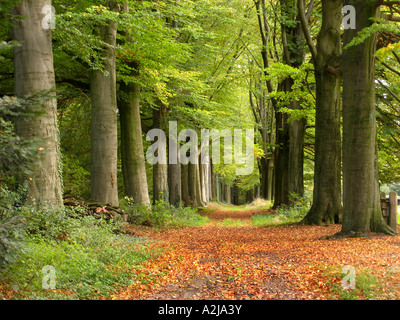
83 83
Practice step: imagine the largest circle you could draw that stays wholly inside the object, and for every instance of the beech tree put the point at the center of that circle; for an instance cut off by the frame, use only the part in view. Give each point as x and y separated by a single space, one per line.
210 64
33 74
132 152
326 56
104 134
361 201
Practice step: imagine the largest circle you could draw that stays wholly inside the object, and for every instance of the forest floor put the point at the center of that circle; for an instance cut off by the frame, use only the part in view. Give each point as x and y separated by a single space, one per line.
242 261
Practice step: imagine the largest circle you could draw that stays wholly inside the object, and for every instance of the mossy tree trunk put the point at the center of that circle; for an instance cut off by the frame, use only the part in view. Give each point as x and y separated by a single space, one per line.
326 206
361 201
132 152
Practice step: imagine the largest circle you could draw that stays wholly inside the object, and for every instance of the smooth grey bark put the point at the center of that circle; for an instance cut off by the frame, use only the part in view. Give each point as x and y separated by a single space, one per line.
104 134
185 184
132 153
214 185
34 73
194 185
204 168
160 170
361 199
174 180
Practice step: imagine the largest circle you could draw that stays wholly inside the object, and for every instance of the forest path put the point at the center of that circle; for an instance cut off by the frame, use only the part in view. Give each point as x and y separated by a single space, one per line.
247 262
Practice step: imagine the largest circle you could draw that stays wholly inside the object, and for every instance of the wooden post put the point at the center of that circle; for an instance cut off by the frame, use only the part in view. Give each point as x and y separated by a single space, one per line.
384 206
392 220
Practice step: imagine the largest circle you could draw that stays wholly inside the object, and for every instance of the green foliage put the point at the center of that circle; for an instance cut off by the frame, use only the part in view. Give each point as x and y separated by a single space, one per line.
12 234
76 177
300 91
368 286
17 154
161 214
229 222
284 215
47 222
378 25
91 256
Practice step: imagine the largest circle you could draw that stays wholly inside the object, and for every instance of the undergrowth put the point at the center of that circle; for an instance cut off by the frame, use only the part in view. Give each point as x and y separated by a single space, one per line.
367 286
90 257
162 214
283 215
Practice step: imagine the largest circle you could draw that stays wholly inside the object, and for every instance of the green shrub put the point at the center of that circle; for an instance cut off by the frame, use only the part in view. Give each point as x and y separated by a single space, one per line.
16 158
92 258
161 214
293 214
76 178
284 215
86 269
12 238
186 217
55 224
12 233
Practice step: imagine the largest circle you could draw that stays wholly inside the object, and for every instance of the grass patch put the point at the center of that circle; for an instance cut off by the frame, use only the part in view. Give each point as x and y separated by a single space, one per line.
229 222
282 216
264 220
367 285
257 204
90 257
162 215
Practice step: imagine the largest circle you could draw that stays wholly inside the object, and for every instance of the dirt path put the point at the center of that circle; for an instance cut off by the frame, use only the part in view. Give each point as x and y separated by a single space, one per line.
247 262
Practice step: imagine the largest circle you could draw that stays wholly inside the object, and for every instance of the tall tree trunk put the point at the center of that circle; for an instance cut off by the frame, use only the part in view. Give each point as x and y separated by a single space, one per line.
264 177
297 130
132 153
327 55
160 170
211 181
281 187
293 55
34 72
361 202
214 185
227 195
185 184
218 188
222 191
204 160
270 180
199 200
249 196
174 180
194 185
104 134
280 154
